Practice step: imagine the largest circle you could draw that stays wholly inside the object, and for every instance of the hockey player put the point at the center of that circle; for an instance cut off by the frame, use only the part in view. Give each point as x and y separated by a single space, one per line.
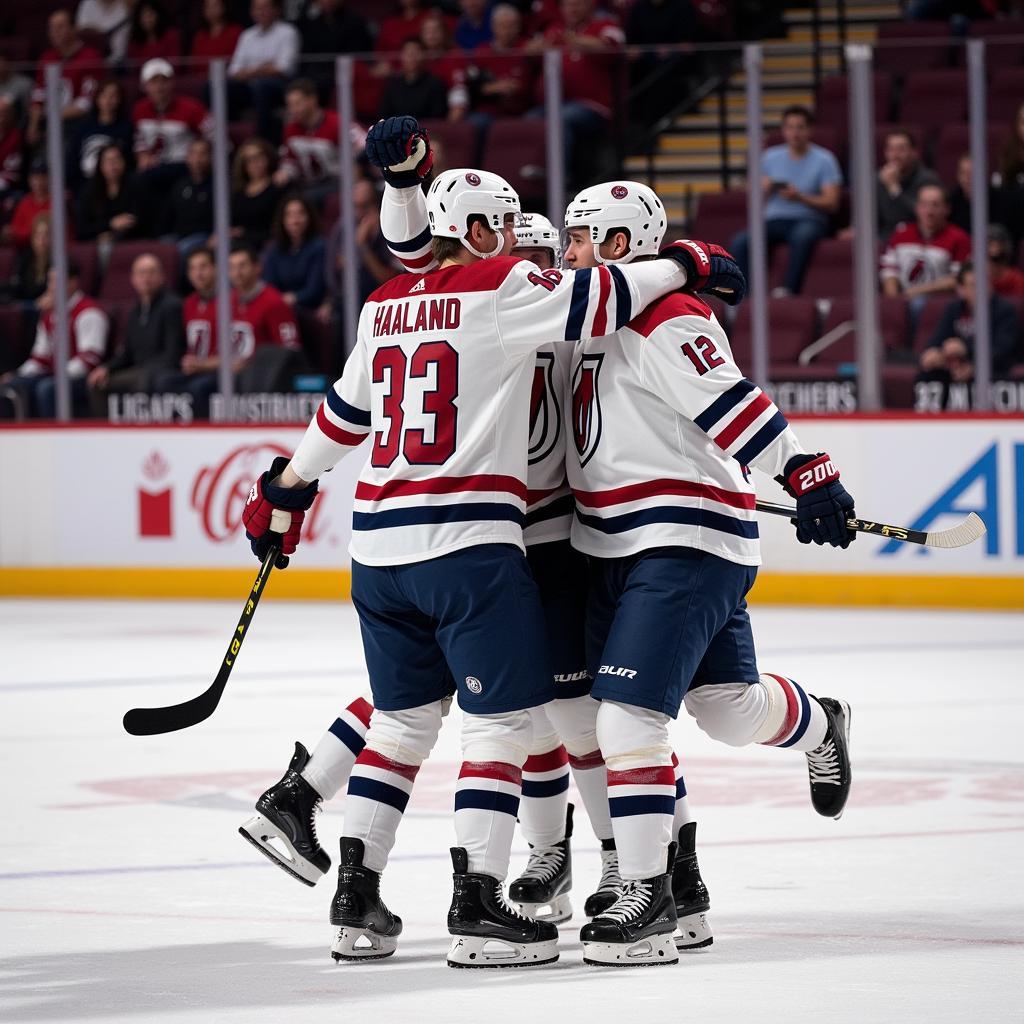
663 427
440 376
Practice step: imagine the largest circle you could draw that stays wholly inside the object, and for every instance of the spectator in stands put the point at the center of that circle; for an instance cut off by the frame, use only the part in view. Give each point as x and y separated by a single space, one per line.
105 124
111 206
949 356
165 126
474 25
110 18
294 261
153 339
265 58
661 22
588 90
309 153
397 28
32 267
334 29
79 66
802 182
450 67
266 337
414 90
502 85
254 196
376 264
1007 280
924 258
187 218
1009 179
36 200
197 373
89 327
960 197
11 144
899 178
151 37
216 38
15 86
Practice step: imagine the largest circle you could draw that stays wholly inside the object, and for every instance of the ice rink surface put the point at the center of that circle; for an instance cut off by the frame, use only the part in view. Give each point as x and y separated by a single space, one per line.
126 893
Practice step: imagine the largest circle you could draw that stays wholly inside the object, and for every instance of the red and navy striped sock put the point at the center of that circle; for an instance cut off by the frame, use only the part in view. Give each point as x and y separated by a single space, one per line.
681 816
804 722
378 792
642 803
331 762
545 795
591 778
486 805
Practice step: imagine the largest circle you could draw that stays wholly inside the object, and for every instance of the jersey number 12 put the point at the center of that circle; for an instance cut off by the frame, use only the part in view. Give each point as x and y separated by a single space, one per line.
703 354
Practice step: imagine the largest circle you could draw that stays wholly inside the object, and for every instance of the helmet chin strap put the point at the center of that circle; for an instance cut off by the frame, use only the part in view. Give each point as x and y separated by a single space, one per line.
484 255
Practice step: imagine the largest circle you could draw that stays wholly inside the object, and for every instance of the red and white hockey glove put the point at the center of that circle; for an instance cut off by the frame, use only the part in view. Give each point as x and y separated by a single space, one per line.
401 149
710 269
823 504
273 515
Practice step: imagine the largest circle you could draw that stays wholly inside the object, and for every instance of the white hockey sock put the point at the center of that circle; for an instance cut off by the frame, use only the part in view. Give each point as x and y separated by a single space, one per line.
796 719
682 815
378 791
545 795
591 778
331 762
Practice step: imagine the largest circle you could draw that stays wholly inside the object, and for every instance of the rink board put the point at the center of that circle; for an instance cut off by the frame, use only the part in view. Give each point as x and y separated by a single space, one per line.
154 512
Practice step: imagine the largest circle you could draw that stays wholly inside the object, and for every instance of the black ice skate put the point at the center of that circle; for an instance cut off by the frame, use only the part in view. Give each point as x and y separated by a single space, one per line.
542 890
608 888
367 930
636 930
690 894
286 813
829 764
487 931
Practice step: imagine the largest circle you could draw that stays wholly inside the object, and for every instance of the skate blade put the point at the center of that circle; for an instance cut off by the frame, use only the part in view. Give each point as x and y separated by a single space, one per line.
693 933
846 731
475 952
258 831
654 951
359 944
556 911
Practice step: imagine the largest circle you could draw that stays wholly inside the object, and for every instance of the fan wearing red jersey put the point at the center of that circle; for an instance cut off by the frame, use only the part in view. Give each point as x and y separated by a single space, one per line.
441 376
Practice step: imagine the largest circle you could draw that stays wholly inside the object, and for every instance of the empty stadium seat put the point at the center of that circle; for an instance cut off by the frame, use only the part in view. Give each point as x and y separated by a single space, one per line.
460 142
1006 95
720 215
955 140
905 46
893 324
934 98
832 105
1004 47
792 326
830 274
517 150
929 319
116 285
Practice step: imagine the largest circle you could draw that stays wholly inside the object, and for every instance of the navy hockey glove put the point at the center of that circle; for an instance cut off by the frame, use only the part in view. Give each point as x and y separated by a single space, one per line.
822 503
273 515
710 270
401 149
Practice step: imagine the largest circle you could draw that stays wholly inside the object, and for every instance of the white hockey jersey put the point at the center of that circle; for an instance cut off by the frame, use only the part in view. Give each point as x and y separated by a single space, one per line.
440 377
549 506
663 428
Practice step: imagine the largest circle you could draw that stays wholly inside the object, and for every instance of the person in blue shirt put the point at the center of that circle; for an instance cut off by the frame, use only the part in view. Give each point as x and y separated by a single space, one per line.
294 260
802 184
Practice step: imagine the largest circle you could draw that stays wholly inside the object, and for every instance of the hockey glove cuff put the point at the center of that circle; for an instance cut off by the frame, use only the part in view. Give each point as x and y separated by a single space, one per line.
401 149
273 515
822 503
710 270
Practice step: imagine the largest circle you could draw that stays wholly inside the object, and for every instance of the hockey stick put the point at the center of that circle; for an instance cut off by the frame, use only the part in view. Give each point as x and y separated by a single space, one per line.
152 721
966 532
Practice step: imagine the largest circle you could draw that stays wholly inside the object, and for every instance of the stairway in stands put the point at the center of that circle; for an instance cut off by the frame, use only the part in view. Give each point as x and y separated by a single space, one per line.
687 160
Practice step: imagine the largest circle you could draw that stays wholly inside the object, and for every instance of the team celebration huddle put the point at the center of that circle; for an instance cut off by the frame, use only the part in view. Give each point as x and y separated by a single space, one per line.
556 527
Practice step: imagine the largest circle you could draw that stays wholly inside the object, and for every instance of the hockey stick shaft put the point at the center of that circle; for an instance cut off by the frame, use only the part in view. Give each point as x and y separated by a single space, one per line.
154 721
857 525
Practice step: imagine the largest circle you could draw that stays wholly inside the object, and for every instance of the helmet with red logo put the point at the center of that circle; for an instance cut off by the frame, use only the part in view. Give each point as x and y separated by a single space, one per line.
460 194
620 204
535 231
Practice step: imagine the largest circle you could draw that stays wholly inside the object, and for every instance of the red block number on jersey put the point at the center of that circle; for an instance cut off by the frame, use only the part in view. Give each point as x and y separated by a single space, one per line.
703 354
432 359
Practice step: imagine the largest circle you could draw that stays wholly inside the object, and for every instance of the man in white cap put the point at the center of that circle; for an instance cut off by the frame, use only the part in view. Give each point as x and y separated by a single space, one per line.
165 126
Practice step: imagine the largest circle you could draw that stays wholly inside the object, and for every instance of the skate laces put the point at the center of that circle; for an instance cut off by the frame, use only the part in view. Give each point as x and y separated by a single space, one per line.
634 898
544 864
509 908
611 880
823 763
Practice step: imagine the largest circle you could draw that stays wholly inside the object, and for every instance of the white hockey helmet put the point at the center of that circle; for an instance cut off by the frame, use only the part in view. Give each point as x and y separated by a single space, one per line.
620 204
535 231
462 193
